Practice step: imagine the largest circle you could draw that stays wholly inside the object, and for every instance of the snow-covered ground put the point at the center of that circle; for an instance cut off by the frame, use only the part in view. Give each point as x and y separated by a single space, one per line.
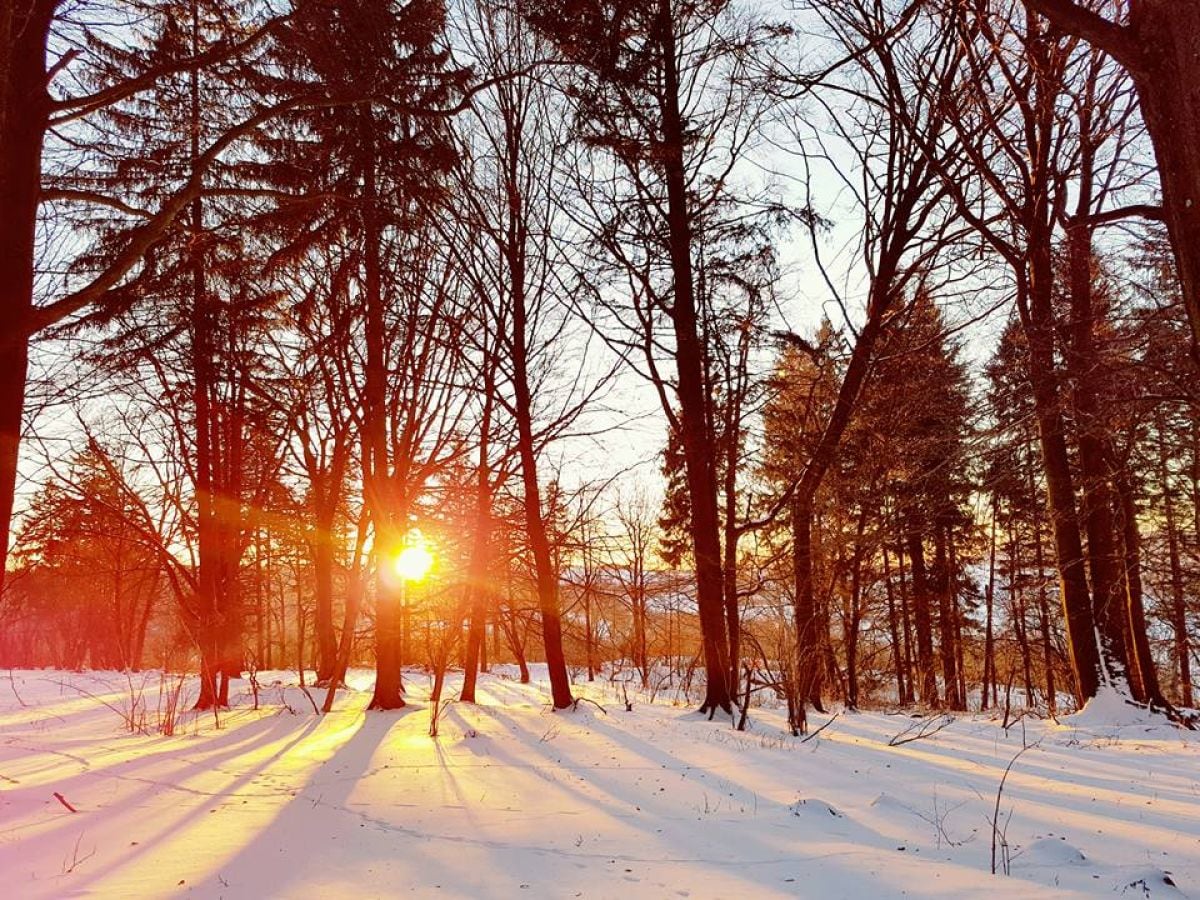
513 800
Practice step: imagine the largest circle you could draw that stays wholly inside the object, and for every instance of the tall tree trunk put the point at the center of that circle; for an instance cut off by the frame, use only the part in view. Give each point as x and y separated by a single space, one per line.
354 594
854 613
902 695
535 524
589 637
207 478
1016 596
959 663
807 615
947 625
695 435
1092 435
384 507
327 643
1139 631
24 115
988 693
906 624
1036 314
1178 606
729 568
923 621
1039 560
477 568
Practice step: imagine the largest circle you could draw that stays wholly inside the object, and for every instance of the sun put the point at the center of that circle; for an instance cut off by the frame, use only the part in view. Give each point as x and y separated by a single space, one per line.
413 563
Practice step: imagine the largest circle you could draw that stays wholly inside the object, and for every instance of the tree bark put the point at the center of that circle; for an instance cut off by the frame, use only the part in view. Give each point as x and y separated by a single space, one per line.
327 643
922 619
476 587
947 625
1178 606
988 693
24 116
1036 313
1092 437
354 593
902 695
1139 632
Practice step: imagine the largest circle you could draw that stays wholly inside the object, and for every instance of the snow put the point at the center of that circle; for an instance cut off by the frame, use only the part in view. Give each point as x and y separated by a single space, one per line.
1112 709
513 800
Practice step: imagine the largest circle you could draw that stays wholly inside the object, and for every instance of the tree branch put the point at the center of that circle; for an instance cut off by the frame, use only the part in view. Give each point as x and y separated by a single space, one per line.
1092 27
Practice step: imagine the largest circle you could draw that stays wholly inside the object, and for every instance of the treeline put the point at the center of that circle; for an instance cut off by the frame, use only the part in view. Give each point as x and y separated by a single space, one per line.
295 291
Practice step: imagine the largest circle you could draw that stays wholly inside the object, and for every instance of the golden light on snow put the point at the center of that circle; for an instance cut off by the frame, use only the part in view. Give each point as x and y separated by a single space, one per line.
414 561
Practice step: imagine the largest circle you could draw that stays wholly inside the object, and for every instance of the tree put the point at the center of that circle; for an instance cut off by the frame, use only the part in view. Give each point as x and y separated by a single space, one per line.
98 582
36 108
512 225
380 162
919 398
653 83
900 75
1159 45
201 321
1018 147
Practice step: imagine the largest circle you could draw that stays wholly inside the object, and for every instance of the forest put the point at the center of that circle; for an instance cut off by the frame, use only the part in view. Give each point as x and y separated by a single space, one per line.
890 303
292 292
813 377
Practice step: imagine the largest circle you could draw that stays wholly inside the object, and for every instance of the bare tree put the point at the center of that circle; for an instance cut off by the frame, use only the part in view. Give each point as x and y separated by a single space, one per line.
1159 45
883 109
662 92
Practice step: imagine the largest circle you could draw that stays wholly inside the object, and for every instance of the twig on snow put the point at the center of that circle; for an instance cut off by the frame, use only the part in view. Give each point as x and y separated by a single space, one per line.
578 700
809 737
922 728
63 800
316 710
13 684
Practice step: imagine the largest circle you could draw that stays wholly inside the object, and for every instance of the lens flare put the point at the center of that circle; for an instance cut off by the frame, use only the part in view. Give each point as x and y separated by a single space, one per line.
413 563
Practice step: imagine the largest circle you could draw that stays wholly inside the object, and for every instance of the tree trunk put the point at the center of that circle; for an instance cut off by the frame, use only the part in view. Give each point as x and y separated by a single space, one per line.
729 569
1166 74
1178 604
1139 631
1016 597
207 477
477 568
694 432
1092 435
535 524
902 696
946 619
476 588
327 643
1036 315
1044 617
24 112
854 614
354 592
807 616
386 510
988 693
906 627
923 620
